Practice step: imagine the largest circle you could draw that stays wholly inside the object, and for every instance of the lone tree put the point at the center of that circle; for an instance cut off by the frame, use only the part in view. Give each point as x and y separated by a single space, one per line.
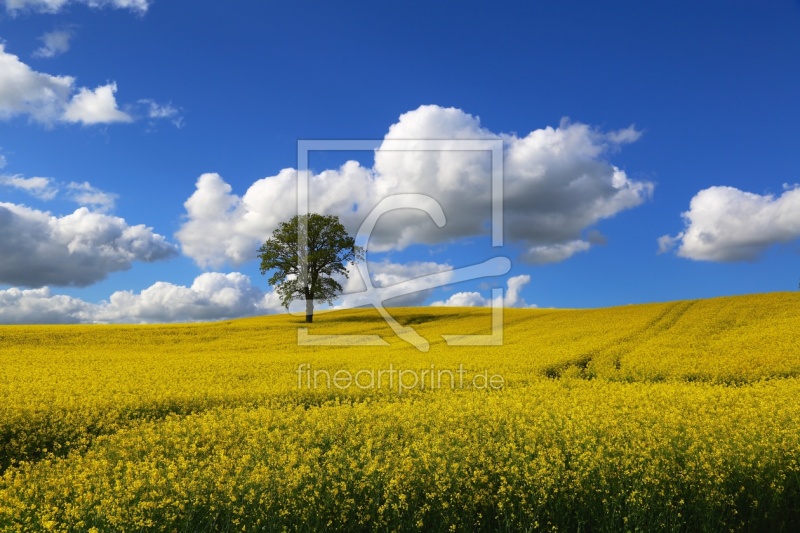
304 270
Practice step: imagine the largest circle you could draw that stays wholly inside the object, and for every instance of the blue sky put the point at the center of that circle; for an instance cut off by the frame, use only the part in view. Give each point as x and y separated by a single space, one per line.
652 149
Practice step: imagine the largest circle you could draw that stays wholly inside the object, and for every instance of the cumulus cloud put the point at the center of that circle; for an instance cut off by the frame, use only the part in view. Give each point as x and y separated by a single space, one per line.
54 43
40 306
464 299
95 107
79 249
25 91
558 183
88 195
50 99
41 188
726 224
385 274
212 296
511 298
54 6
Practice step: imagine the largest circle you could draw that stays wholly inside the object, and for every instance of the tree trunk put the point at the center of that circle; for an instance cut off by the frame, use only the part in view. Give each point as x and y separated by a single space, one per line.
309 310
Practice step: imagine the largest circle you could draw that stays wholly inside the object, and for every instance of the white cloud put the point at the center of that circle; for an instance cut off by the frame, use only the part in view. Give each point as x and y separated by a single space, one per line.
511 298
54 6
627 135
220 226
86 194
39 306
554 253
667 243
54 43
95 107
464 299
155 111
726 224
79 249
25 91
386 274
212 296
50 99
557 184
41 188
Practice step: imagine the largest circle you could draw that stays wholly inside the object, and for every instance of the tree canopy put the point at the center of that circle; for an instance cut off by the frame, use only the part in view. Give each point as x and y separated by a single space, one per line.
303 268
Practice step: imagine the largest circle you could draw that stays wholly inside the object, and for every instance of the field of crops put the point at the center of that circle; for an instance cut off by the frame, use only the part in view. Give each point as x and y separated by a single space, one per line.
658 417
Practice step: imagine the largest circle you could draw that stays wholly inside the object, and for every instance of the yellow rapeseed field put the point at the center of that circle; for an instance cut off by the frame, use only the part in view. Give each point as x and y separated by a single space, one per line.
660 417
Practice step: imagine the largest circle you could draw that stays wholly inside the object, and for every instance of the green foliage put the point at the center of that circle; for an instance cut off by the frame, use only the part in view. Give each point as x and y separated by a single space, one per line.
304 254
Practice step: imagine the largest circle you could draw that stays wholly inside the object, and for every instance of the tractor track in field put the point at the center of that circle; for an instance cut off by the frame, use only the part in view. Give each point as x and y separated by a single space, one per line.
660 324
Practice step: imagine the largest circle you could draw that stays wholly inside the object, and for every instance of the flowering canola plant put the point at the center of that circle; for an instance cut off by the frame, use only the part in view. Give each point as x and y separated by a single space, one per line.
658 417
